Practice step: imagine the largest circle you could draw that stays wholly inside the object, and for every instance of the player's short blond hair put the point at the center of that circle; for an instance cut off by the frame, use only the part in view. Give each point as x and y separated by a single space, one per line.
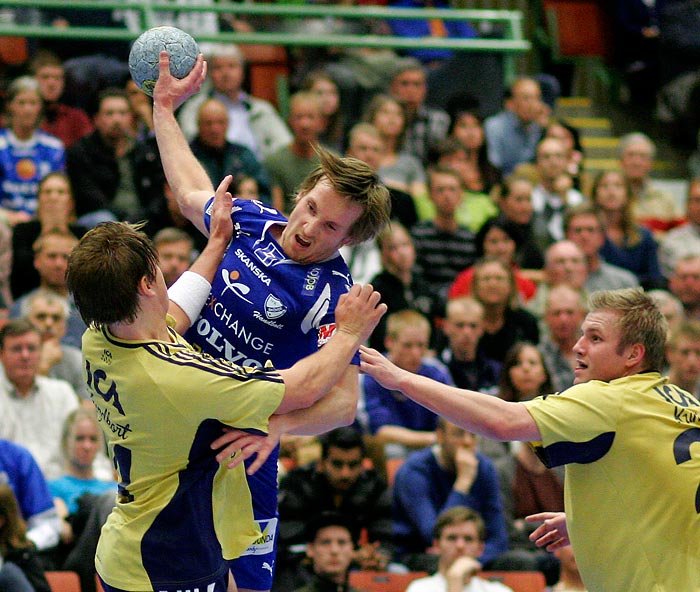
639 321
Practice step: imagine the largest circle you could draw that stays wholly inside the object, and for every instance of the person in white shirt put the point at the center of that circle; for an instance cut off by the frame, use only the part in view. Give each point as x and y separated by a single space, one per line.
33 408
459 539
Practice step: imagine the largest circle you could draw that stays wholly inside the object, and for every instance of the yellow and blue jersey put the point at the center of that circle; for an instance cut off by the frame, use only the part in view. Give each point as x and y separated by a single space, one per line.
161 404
631 448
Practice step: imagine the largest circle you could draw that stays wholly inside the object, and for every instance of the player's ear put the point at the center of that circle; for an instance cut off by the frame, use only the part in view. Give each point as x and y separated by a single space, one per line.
636 354
145 286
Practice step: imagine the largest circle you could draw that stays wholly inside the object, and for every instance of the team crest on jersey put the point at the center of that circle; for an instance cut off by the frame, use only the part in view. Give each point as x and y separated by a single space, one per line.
274 307
269 255
325 332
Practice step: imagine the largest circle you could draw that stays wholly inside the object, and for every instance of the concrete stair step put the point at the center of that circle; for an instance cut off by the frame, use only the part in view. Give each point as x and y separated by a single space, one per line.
573 107
600 146
663 169
591 126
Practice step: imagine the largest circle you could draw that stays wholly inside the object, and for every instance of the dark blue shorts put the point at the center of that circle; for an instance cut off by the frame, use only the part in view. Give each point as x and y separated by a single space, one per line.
255 568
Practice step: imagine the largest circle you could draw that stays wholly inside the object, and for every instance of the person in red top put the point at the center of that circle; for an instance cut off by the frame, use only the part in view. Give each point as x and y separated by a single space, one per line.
497 239
67 123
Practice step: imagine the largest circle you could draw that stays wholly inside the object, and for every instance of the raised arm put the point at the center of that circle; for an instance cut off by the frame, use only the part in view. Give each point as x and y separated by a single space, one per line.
190 292
478 413
186 176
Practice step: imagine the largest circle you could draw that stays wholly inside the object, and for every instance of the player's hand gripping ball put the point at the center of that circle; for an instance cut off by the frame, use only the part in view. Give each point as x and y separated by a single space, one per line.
143 58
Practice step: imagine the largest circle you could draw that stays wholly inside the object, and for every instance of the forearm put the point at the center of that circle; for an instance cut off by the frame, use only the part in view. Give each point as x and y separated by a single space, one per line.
190 292
185 175
314 376
335 410
478 413
393 434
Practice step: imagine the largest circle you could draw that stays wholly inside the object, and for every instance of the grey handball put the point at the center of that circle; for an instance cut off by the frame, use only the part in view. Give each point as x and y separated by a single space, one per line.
143 57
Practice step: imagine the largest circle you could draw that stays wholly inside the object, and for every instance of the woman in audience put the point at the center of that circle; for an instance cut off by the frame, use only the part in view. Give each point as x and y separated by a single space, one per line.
497 239
514 199
325 88
524 374
505 322
467 128
26 152
82 441
55 209
397 169
527 486
476 206
570 139
627 244
20 569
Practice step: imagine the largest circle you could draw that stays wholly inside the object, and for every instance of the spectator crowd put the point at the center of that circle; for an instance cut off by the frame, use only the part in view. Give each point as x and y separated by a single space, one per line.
498 235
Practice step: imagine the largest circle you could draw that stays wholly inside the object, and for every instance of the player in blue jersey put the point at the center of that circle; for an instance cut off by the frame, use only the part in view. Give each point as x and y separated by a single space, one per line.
630 441
179 513
27 154
275 293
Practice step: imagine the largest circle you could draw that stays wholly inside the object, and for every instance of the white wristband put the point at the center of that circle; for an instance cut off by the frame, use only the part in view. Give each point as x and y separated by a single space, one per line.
190 293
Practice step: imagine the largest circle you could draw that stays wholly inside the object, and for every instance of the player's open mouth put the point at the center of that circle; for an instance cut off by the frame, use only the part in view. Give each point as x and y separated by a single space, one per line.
580 365
302 242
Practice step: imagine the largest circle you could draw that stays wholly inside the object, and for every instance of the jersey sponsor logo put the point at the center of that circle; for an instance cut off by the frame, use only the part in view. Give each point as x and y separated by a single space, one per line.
95 380
266 542
238 288
317 311
257 272
269 255
311 280
116 428
325 332
686 408
218 342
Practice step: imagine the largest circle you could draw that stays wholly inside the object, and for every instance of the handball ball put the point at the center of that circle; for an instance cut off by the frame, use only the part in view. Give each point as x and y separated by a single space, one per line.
143 58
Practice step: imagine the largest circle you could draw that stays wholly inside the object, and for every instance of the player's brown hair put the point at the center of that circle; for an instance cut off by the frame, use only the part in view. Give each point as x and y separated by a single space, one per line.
355 180
104 272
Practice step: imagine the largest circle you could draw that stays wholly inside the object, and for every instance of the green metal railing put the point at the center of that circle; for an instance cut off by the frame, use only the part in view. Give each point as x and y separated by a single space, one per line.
510 43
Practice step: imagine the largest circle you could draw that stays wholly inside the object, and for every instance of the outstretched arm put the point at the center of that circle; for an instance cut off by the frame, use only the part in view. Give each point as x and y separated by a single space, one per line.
186 176
478 413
